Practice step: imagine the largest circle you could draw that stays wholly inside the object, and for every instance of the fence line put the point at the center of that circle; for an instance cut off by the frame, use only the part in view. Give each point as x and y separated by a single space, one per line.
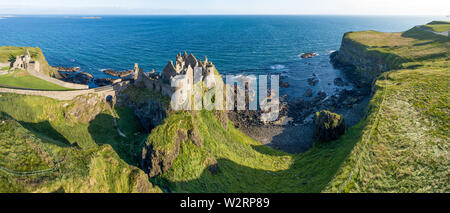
36 172
375 124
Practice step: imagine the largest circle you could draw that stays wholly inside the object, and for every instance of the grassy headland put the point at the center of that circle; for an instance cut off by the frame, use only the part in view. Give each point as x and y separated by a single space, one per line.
21 78
406 149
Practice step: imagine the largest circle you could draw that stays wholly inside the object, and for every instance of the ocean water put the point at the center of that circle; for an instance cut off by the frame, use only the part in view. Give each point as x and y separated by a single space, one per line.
236 44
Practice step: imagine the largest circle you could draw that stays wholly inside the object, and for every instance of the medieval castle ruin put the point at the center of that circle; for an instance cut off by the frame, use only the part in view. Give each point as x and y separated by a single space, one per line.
182 71
180 79
24 62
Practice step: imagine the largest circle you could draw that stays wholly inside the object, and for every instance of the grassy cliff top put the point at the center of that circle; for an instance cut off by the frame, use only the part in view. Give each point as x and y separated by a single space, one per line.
416 44
9 53
21 78
439 26
405 144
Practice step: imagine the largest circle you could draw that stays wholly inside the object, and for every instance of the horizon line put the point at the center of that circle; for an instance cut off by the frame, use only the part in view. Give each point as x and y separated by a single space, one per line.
212 14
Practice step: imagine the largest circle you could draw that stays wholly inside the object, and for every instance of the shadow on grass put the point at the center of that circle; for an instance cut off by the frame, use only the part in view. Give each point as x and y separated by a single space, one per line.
45 131
310 172
421 34
103 131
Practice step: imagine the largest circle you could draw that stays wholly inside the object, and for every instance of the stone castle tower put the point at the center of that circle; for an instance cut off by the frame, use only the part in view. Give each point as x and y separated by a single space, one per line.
185 65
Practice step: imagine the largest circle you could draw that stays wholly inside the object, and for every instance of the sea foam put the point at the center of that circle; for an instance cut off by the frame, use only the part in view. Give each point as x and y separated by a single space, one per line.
278 67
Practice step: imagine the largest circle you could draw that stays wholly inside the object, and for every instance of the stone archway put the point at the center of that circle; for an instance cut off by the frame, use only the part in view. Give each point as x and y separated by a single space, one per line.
109 98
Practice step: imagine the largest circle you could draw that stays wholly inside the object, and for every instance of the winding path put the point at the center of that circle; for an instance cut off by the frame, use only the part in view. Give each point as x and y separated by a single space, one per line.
116 124
60 95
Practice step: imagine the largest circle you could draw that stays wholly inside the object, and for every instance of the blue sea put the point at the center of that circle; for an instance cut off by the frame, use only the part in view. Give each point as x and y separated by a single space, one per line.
235 44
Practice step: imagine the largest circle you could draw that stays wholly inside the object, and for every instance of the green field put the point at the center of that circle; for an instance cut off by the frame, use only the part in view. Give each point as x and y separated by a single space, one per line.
439 26
21 79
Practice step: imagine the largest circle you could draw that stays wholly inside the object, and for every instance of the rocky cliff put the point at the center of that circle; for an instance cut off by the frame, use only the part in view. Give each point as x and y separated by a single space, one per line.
363 63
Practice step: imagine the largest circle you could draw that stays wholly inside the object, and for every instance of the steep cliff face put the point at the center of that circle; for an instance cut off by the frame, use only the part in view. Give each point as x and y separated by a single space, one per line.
149 106
363 63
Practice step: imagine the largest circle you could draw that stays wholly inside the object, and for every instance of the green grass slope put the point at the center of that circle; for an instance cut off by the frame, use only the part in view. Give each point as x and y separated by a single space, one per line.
45 149
21 79
438 26
244 165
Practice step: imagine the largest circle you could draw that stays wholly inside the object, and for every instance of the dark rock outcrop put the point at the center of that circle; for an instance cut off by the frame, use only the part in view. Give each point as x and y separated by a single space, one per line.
313 81
121 74
309 55
77 78
194 135
214 168
339 82
103 81
151 113
320 96
308 93
284 84
328 126
67 69
156 161
222 117
84 108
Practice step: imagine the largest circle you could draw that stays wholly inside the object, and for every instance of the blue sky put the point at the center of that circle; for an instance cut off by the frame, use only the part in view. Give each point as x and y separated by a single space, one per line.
343 7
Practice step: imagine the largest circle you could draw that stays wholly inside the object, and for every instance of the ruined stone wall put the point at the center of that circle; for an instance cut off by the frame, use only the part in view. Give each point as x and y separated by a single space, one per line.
6 64
157 85
34 71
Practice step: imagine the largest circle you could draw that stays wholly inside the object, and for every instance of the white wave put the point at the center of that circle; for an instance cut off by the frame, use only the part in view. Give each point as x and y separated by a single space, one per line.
330 51
278 67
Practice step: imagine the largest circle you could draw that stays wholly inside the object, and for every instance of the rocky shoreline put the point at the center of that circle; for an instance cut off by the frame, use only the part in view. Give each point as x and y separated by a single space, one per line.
293 132
73 75
120 74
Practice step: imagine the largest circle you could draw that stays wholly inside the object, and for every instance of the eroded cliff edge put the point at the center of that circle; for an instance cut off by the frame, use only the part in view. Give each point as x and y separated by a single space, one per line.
362 63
